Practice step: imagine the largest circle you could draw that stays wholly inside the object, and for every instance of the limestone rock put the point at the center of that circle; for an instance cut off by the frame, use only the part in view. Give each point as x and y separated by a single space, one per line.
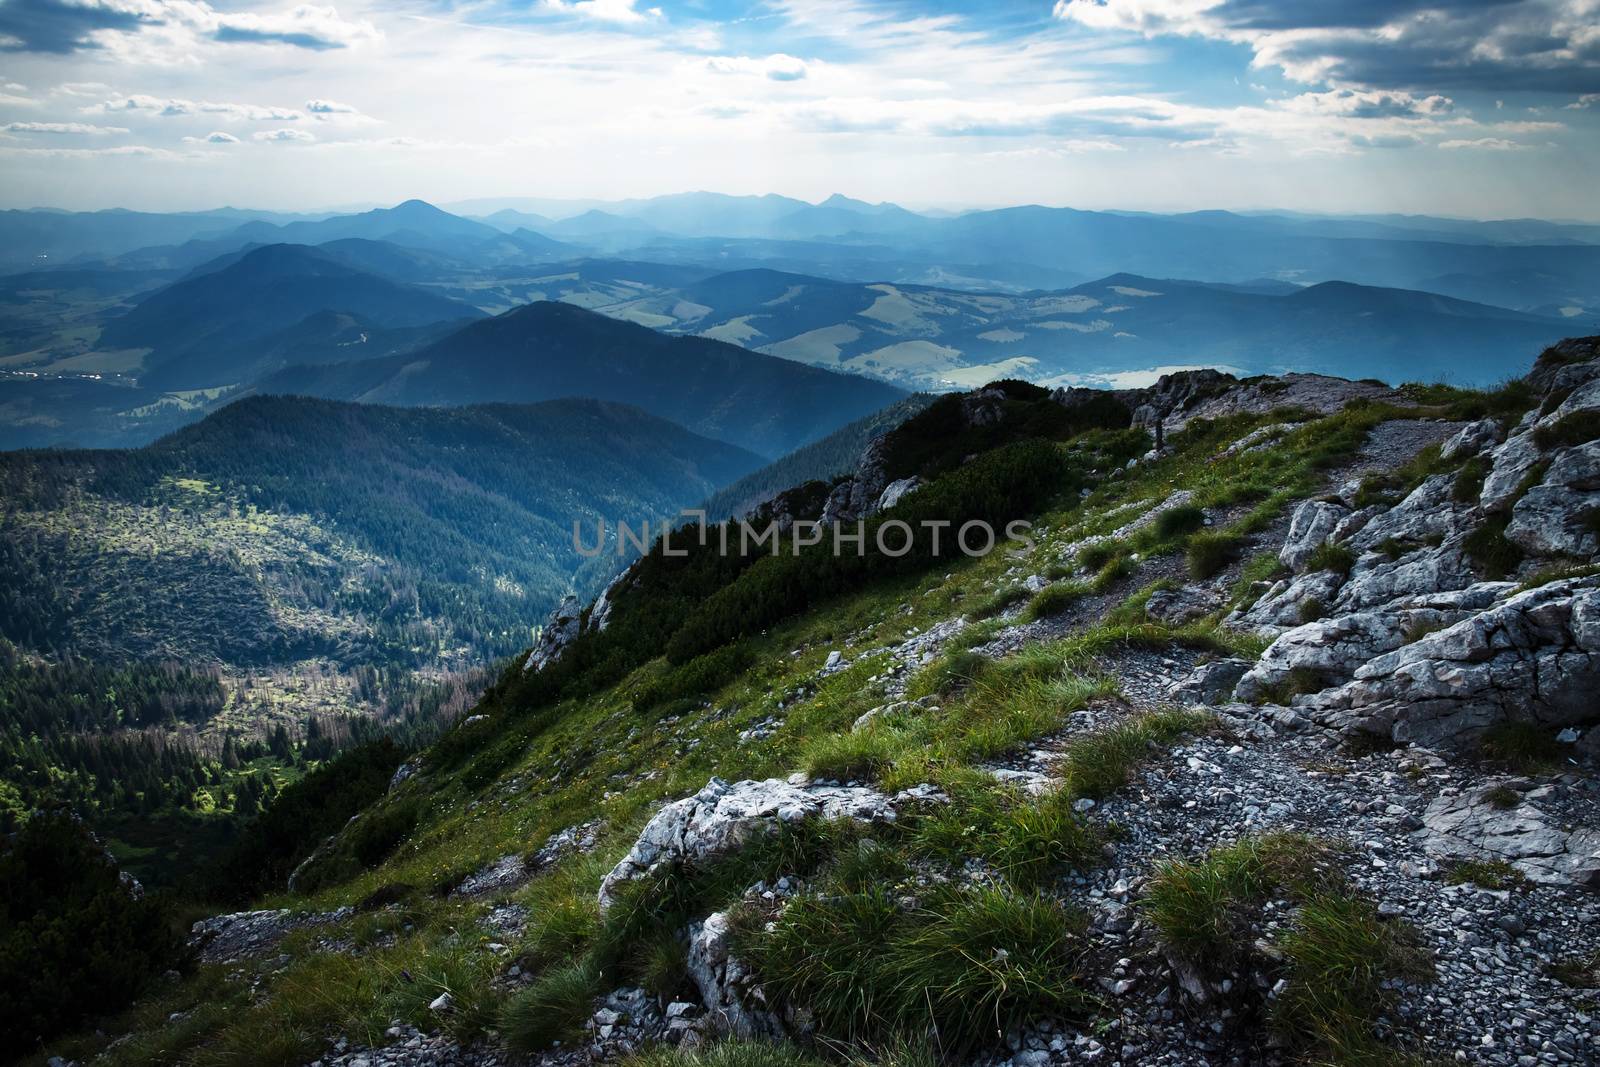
734 1004
1175 607
1472 439
561 630
723 816
1210 683
1312 524
1534 657
896 491
1473 825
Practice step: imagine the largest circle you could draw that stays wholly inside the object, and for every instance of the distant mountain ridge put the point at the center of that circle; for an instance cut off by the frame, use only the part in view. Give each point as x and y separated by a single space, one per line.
547 350
200 329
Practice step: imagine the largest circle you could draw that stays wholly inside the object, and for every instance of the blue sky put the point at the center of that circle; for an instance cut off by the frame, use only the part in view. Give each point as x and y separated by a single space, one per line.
1487 108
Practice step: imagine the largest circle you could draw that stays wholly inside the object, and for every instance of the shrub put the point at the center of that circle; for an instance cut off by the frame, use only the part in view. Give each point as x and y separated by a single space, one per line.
1311 609
1485 874
965 963
75 941
1339 955
1488 547
1575 428
1095 556
1525 746
699 677
1027 840
553 1008
1468 485
1054 599
1331 557
1208 553
1175 522
1102 760
998 602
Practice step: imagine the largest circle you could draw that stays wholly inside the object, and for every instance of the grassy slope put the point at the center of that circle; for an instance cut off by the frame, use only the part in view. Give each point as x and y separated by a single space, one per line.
601 757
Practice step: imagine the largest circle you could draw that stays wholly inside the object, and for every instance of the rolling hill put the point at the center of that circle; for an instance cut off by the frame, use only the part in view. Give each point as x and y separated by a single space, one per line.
927 337
547 350
200 330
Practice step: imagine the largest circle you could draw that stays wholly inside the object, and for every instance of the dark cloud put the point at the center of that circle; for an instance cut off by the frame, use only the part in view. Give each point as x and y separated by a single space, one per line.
60 28
1429 45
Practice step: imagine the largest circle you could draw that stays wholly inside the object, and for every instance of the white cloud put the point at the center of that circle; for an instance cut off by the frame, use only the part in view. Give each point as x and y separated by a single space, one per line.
1513 44
330 107
62 27
120 152
1487 144
169 108
1584 102
283 134
624 11
779 66
214 137
60 128
307 26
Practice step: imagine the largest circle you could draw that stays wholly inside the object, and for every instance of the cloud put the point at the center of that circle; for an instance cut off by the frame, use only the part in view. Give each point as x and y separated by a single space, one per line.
1365 104
1584 102
623 11
1486 144
121 151
283 134
214 137
1549 45
307 26
170 108
60 128
779 67
329 107
61 27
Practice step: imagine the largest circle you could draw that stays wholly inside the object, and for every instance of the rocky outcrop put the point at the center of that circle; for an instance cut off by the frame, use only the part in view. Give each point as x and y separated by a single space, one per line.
1310 527
734 1003
1504 823
723 816
1533 658
1176 607
559 631
1558 517
243 934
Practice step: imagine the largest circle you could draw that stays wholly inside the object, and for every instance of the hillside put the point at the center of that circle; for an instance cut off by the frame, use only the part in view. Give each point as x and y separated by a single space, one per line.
546 350
1125 324
1272 745
314 561
202 330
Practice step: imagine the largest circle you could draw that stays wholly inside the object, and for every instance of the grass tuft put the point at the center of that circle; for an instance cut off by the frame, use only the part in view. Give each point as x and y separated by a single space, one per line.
554 1008
1208 553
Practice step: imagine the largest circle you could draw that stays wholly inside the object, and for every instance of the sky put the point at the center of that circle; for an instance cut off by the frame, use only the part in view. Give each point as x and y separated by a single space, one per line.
1478 108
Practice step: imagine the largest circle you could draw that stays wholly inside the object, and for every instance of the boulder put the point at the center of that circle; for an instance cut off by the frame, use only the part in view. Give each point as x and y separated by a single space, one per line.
1557 516
896 491
735 1005
1175 607
1513 462
1285 604
1310 527
559 631
1472 439
1478 825
1534 657
723 816
1210 683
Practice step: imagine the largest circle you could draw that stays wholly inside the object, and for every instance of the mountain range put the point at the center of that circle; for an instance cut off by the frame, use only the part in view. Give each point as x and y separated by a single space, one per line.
552 349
